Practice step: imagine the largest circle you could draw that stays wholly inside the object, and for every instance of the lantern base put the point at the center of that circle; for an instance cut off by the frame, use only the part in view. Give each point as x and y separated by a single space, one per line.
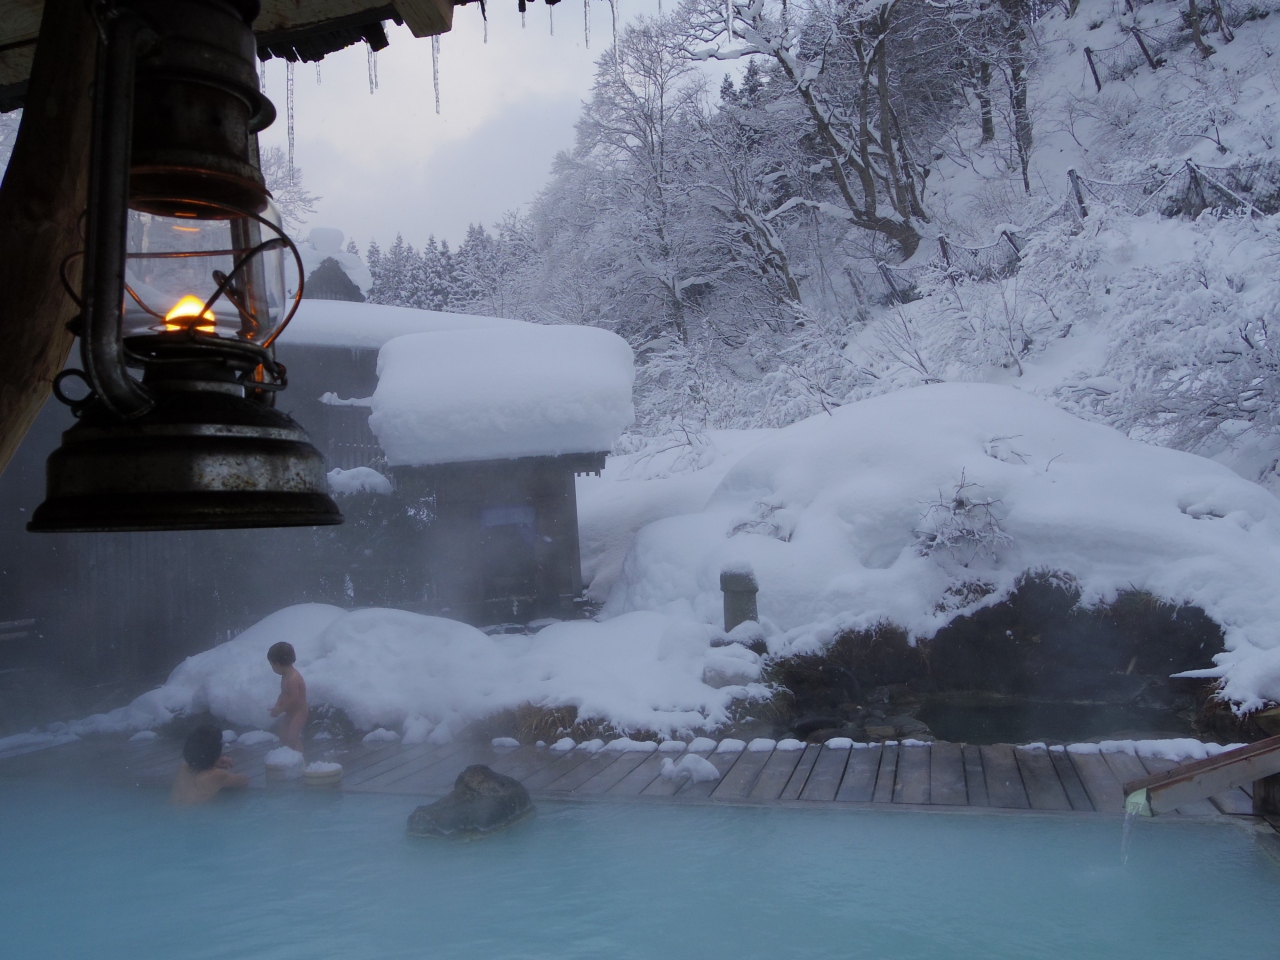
200 460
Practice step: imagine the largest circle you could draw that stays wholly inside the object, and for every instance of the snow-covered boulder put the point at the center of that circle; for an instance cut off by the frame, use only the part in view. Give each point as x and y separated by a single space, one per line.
496 394
851 519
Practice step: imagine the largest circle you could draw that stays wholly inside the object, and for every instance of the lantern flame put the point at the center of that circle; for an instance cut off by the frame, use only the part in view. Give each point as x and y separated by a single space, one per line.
189 313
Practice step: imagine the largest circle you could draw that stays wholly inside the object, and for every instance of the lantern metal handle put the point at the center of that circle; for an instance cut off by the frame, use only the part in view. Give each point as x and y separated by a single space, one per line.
103 283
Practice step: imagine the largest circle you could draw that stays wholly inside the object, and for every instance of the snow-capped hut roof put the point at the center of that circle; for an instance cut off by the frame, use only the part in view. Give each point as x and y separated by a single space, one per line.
507 391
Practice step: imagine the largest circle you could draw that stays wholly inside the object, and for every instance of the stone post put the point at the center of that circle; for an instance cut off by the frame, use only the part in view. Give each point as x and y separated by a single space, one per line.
738 584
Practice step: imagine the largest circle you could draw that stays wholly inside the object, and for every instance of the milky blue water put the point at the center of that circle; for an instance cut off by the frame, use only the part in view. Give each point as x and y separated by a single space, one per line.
108 874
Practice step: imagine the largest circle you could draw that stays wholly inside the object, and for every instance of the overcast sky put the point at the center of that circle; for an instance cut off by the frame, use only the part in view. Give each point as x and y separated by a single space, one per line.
387 163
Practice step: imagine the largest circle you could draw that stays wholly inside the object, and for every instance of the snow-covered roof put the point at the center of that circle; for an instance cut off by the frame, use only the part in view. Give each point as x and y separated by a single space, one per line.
340 323
517 390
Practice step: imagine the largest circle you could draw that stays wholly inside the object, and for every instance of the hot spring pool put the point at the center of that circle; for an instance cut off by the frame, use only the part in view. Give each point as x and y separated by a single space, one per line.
104 874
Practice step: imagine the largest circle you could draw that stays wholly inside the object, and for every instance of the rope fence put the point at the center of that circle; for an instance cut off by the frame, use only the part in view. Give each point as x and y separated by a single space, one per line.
1186 191
1145 45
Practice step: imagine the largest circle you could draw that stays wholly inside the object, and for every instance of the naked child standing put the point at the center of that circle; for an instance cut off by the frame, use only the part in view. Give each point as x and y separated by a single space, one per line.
293 694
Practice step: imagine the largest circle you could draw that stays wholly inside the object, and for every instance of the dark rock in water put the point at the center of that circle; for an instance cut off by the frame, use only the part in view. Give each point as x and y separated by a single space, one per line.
481 802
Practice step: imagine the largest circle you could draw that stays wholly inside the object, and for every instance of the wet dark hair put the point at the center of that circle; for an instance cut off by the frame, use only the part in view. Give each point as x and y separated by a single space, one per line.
203 748
282 653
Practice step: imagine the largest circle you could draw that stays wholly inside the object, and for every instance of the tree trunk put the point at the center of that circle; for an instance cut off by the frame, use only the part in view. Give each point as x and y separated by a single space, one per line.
43 194
984 102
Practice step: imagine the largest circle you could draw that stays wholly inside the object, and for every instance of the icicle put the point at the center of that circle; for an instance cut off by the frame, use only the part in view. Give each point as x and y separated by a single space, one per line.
551 18
373 69
523 6
586 22
613 12
484 15
288 75
262 80
435 70
317 73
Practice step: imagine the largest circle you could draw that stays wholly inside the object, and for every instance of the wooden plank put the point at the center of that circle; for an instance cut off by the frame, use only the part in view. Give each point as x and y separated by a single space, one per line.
634 782
946 775
1234 802
912 782
389 781
518 763
828 771
1070 780
439 777
391 761
612 775
1197 808
804 766
1204 778
1044 789
1004 779
724 762
887 774
975 778
859 783
1126 767
583 772
737 783
777 771
1099 782
557 765
664 787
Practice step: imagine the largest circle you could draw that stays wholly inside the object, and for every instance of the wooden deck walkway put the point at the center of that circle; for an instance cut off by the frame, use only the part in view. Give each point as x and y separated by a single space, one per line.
937 776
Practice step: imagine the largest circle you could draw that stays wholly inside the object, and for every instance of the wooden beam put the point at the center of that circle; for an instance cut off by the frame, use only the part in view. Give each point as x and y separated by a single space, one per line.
43 193
426 18
1204 778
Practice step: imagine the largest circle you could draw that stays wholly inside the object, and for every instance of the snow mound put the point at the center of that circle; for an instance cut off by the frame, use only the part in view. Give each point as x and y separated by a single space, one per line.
672 746
790 744
381 735
479 394
144 736
1179 750
504 743
839 743
322 766
358 480
386 667
564 745
847 520
284 760
696 768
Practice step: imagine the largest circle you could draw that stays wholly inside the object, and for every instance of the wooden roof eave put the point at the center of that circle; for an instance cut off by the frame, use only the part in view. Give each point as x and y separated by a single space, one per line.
292 29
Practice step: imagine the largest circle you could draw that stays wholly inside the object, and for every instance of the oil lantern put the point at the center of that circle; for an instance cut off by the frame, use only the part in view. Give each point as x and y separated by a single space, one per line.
183 292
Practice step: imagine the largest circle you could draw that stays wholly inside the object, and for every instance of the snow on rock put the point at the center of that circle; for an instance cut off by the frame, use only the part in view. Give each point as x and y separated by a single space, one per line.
143 736
478 394
696 768
357 480
416 729
229 736
340 323
638 672
836 514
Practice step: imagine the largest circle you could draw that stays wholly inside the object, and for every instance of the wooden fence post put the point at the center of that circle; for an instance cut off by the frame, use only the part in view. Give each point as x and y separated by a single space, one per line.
1151 61
1088 55
1197 187
1075 190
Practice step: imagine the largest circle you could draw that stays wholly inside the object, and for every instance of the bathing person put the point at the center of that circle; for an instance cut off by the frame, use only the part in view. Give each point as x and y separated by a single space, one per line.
293 694
205 771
